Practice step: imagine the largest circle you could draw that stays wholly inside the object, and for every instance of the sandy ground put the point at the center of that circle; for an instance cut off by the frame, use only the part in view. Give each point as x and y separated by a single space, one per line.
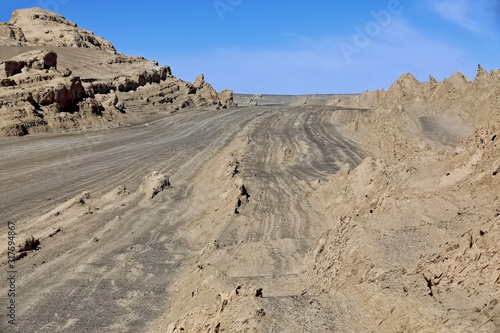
110 266
269 218
375 212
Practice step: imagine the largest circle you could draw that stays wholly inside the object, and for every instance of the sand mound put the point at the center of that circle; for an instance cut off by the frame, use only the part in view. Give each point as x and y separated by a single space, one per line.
413 248
407 86
154 183
454 96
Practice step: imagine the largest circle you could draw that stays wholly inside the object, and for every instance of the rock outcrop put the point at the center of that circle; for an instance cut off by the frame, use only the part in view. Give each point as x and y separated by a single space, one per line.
36 59
37 26
36 96
40 98
11 34
112 88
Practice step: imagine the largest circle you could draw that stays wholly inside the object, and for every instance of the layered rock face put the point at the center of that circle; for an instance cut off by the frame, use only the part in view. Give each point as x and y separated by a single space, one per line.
35 59
37 97
97 87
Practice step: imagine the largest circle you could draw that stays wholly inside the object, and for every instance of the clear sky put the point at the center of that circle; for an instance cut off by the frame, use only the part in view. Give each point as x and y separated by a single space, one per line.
295 47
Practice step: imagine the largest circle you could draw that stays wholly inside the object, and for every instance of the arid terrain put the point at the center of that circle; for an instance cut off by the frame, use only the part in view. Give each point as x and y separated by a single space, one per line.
164 206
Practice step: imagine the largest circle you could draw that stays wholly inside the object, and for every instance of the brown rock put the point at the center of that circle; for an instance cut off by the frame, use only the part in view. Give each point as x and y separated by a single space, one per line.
65 72
7 82
10 34
225 98
34 59
481 74
200 80
43 27
103 92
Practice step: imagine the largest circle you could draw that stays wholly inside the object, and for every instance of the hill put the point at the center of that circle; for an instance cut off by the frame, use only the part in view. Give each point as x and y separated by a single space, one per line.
65 78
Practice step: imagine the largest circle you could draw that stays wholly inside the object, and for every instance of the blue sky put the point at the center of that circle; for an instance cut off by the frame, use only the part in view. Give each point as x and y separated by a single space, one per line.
299 47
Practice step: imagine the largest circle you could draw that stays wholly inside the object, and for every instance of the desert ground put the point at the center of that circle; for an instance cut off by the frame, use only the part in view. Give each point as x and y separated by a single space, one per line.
163 206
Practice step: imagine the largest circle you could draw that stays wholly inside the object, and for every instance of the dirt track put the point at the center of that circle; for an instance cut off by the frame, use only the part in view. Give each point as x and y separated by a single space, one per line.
111 266
373 212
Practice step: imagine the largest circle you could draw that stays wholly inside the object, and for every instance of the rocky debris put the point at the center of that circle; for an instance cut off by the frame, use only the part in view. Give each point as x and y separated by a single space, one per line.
30 244
65 72
242 307
37 26
154 183
235 171
7 82
123 59
174 94
250 102
77 201
457 265
204 94
55 232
